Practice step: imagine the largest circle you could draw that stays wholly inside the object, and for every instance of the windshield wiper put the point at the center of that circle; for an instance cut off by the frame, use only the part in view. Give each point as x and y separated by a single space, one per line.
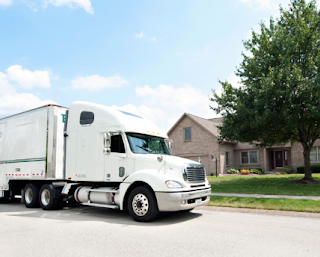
143 148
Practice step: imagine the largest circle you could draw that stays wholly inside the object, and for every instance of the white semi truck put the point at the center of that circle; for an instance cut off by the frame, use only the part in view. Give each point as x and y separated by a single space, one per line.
97 156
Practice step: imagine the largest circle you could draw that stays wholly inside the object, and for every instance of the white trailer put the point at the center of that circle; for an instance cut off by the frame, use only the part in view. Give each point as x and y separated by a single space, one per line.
98 156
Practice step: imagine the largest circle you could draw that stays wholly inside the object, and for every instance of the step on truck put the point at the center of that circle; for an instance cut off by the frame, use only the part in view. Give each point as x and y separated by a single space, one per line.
97 156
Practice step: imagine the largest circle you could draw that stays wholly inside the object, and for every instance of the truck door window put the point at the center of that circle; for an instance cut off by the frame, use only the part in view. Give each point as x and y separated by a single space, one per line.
86 118
117 145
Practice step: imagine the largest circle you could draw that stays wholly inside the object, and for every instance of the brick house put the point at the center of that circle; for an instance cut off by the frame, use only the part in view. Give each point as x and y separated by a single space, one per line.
195 137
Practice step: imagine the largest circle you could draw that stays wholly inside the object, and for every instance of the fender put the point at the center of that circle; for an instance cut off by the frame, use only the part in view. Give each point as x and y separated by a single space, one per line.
154 178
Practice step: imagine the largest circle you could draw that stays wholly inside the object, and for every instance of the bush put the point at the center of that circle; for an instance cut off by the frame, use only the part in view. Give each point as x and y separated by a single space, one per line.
245 171
287 169
281 173
256 171
233 171
300 169
260 169
314 169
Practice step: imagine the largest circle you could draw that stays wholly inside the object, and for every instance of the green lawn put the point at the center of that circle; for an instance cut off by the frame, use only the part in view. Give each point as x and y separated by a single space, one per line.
266 203
269 185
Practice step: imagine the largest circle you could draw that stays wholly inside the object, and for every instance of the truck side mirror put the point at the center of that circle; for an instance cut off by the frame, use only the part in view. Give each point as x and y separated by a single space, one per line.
106 143
169 144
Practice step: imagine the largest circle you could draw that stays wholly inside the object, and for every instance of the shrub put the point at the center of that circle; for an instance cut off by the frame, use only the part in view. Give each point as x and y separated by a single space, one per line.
233 171
260 169
256 171
314 169
300 169
211 174
245 171
281 173
287 169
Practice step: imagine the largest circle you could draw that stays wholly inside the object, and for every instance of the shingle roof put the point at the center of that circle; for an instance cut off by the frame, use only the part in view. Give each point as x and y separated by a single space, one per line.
209 125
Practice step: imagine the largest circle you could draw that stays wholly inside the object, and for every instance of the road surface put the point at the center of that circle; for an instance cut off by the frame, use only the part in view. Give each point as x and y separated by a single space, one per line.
206 231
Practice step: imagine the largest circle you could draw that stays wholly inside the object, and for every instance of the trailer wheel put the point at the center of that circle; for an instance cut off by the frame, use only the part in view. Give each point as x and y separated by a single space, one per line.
142 204
31 196
49 197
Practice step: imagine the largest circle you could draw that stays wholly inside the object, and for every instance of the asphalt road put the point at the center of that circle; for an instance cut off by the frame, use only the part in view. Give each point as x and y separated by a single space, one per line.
206 231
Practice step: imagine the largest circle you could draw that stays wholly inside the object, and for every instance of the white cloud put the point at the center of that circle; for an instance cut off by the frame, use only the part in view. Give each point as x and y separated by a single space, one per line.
85 4
97 82
140 35
265 4
167 103
12 102
28 79
6 2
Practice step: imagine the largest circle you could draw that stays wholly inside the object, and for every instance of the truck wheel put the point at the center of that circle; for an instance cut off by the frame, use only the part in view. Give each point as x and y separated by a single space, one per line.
48 199
31 196
142 204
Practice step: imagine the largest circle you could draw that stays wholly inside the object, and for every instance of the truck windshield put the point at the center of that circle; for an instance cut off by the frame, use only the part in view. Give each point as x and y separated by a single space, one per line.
144 144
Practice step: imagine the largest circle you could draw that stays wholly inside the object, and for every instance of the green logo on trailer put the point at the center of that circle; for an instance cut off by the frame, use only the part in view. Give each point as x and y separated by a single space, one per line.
63 118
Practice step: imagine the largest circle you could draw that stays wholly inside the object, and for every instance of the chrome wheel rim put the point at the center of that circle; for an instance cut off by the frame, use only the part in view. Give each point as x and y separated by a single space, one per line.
140 205
28 196
45 197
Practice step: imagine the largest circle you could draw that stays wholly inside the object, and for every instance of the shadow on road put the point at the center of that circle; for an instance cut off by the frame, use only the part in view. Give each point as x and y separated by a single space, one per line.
85 213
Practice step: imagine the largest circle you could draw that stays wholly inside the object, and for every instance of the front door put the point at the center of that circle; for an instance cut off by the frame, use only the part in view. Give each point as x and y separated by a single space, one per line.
279 159
116 162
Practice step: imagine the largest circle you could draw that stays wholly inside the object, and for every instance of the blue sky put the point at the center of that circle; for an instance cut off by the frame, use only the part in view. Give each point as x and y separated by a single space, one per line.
157 59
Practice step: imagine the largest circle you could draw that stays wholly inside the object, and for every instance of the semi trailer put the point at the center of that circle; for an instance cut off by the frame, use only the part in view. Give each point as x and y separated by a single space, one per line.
97 156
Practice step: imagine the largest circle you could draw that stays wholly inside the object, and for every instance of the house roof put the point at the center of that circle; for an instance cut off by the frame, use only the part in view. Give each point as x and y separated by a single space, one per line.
210 125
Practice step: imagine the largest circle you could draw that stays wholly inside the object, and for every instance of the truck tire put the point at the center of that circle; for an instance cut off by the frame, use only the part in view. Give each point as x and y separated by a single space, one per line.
31 195
50 198
142 204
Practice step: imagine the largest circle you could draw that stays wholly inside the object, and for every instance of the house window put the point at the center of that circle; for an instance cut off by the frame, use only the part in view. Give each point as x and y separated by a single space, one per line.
227 158
315 154
187 134
249 157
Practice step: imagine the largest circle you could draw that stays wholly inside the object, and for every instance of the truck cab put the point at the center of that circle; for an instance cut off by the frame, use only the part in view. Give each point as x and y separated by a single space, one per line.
127 152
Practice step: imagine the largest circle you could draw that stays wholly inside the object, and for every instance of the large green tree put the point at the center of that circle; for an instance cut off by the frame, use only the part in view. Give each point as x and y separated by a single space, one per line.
278 100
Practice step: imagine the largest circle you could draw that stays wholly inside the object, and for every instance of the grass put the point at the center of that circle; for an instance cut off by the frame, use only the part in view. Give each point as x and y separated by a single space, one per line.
266 203
269 185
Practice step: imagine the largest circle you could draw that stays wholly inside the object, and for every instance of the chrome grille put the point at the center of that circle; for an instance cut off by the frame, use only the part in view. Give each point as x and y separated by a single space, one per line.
196 174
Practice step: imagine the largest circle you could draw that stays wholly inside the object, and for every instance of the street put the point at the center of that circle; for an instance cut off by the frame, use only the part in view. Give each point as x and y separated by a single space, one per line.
206 231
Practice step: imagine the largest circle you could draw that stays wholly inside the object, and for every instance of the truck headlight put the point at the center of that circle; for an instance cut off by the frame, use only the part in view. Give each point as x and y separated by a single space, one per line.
173 184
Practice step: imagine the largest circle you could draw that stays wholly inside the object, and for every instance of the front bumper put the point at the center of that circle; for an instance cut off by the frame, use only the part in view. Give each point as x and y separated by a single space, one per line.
182 200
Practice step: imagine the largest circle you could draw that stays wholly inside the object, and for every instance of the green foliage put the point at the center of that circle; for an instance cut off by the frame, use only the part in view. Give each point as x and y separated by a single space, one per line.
281 173
256 171
314 169
287 169
300 169
233 171
278 101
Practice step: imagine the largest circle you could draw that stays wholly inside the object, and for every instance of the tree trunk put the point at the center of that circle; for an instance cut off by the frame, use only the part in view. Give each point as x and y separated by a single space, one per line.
307 166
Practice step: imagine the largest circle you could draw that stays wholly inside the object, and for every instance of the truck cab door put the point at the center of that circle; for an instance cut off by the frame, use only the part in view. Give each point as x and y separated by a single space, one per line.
115 163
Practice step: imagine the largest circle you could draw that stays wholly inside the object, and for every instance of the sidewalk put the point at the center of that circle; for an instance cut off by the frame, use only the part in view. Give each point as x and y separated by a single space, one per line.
269 196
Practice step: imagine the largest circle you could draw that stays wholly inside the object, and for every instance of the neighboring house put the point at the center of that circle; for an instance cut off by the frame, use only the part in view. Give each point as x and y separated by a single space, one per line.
195 137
